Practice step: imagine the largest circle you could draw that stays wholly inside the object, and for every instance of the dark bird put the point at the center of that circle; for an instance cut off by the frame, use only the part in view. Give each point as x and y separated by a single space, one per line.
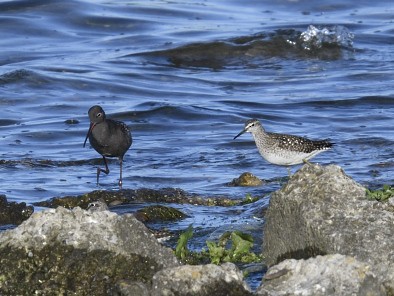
108 137
283 149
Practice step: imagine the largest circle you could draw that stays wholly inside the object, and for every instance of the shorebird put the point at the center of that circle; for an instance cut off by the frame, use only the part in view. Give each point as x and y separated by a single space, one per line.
108 137
97 206
282 149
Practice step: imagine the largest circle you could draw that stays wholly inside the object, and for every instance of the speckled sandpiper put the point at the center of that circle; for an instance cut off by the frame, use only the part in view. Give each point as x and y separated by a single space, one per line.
97 206
282 149
108 137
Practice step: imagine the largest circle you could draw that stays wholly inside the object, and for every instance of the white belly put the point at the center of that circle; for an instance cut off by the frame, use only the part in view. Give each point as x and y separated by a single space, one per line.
282 157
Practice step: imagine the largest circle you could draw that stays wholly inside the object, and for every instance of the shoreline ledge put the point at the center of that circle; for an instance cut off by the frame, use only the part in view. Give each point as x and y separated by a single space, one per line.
322 236
98 252
321 212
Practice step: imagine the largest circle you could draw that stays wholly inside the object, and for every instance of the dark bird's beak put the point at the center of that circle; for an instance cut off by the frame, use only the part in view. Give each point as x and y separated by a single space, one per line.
244 131
92 125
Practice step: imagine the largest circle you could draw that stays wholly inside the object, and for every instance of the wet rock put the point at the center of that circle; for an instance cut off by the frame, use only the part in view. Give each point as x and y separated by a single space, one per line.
159 213
200 280
71 121
244 49
131 288
323 275
125 196
78 252
84 200
12 212
323 211
246 179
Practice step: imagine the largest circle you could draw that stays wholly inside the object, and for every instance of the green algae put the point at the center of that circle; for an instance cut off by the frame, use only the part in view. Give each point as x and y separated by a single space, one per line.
249 199
232 247
381 194
181 250
239 250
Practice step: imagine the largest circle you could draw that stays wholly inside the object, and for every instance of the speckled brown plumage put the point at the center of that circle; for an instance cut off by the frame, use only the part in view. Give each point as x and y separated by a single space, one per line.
283 149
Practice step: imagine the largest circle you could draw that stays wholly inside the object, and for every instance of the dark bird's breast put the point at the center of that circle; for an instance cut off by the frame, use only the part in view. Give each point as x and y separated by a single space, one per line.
111 138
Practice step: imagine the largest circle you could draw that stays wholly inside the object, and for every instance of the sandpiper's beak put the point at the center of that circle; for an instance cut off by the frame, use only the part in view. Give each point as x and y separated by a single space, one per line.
92 125
244 131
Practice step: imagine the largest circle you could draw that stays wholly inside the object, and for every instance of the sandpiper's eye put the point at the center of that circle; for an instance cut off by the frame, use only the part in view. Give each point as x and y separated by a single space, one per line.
98 115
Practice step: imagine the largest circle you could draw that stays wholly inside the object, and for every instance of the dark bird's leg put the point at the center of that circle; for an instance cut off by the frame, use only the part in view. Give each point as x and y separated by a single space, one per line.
106 171
120 178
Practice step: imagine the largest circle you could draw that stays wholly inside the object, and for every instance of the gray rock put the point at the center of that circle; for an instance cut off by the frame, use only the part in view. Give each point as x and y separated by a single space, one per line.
323 275
323 211
131 288
76 251
200 280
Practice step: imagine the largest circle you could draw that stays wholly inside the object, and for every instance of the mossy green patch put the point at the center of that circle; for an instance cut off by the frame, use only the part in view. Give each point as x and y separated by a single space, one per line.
249 199
239 250
232 247
181 250
381 194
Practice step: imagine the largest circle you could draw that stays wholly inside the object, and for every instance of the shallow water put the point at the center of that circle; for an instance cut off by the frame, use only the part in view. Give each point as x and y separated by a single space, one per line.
185 76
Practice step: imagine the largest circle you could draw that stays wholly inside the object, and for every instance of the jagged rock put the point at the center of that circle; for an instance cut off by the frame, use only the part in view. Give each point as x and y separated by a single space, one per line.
12 212
246 179
323 211
200 280
60 251
321 276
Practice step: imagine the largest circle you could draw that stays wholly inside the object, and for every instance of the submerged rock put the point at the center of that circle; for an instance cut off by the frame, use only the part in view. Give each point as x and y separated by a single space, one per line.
321 276
125 196
12 212
200 280
75 251
246 179
159 213
323 211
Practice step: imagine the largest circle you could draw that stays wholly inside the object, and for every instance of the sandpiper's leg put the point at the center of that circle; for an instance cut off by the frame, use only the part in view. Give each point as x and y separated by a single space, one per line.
306 161
106 171
289 171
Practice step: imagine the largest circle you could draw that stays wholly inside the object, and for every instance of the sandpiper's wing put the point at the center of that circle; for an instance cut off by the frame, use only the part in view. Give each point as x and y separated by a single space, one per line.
301 144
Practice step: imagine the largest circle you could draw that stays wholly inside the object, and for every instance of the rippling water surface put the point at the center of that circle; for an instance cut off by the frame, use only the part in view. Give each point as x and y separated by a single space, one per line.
185 76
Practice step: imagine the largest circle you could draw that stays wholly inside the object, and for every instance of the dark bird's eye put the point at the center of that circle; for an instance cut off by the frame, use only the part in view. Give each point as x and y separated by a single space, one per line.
98 115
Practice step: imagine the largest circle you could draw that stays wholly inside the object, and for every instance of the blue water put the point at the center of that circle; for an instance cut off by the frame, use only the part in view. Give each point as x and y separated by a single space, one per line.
185 76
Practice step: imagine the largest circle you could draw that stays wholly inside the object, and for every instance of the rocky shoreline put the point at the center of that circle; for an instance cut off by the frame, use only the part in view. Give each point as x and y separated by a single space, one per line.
343 241
322 236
